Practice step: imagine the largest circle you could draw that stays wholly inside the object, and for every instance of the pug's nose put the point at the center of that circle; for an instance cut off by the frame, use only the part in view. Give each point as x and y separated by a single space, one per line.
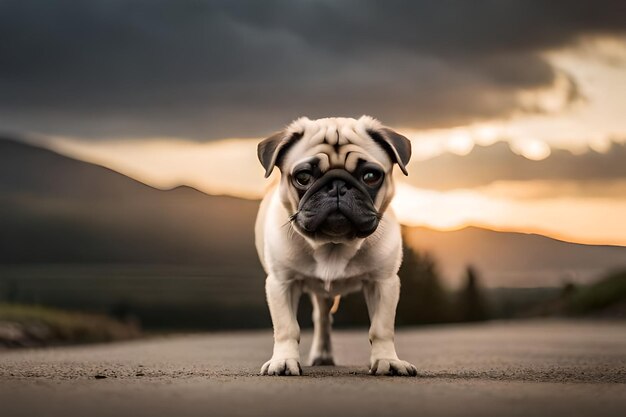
337 188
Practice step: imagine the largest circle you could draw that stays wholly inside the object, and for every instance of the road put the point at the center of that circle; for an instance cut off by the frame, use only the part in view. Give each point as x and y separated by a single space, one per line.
553 368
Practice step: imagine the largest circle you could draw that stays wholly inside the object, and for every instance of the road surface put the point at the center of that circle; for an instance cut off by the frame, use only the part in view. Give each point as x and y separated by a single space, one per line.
553 368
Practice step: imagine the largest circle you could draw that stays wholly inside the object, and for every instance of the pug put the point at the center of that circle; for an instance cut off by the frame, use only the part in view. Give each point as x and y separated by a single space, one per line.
326 229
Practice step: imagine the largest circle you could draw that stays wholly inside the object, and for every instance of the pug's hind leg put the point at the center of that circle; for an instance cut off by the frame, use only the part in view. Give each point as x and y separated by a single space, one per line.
321 349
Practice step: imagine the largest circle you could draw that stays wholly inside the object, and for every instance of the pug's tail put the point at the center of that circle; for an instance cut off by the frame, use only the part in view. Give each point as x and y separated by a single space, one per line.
335 306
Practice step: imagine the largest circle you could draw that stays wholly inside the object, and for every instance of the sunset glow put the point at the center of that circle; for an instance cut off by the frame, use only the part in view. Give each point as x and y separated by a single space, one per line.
597 220
217 168
587 211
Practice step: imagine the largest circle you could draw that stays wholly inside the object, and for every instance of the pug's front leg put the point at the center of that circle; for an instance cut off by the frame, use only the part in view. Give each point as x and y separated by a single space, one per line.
282 298
381 297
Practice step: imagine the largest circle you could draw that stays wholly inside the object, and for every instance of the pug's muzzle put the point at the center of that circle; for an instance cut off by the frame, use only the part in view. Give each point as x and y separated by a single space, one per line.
337 206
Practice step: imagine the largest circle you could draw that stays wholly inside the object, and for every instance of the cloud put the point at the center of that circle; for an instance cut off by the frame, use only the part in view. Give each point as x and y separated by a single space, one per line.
211 69
607 191
487 164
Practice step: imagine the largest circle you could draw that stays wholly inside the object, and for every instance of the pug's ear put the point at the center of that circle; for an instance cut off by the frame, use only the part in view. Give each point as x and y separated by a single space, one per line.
271 150
397 146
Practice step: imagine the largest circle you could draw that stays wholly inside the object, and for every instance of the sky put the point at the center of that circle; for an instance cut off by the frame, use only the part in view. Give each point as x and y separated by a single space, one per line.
515 109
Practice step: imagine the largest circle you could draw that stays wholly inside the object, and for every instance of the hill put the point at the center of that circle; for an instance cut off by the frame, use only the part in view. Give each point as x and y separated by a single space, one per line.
506 259
54 209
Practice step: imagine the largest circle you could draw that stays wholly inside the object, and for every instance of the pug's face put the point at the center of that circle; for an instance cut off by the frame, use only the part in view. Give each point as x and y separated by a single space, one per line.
336 174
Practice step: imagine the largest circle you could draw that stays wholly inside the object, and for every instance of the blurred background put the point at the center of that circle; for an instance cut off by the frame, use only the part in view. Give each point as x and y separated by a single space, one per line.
129 181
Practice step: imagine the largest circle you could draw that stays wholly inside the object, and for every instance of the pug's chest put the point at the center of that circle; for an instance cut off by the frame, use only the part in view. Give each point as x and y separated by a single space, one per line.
332 288
333 272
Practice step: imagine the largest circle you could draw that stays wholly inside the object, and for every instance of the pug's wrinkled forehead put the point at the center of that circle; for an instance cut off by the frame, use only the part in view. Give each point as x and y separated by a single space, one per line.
335 143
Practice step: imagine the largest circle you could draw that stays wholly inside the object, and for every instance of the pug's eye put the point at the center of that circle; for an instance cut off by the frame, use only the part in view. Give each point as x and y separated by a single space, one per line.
372 177
303 178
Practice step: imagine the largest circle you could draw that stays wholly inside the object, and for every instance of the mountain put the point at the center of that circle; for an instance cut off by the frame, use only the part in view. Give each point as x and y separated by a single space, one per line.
54 209
505 259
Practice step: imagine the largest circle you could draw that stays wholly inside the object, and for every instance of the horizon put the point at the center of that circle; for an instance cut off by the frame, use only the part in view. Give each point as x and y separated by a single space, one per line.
257 197
498 205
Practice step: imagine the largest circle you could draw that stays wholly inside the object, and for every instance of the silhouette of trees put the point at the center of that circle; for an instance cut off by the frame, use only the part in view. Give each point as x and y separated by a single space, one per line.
470 303
423 299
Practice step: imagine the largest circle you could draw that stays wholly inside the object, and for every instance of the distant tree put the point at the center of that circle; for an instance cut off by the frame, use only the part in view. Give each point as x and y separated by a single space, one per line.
11 291
568 289
471 305
423 299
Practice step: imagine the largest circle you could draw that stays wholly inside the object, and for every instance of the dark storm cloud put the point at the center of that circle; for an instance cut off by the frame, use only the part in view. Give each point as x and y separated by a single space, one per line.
208 69
486 164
